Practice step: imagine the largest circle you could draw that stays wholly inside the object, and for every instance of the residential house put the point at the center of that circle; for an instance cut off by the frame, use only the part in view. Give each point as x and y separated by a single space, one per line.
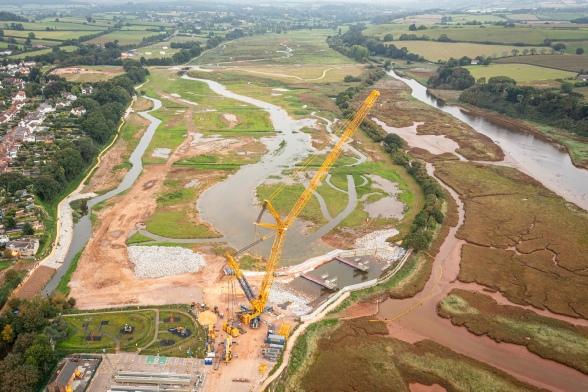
79 111
69 96
45 108
17 82
24 247
20 96
87 90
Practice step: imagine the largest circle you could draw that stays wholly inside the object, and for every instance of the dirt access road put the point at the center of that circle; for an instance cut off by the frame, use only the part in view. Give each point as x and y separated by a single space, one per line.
104 276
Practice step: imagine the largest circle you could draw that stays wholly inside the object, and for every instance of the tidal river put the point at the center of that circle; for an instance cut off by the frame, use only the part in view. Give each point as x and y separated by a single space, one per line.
533 156
416 317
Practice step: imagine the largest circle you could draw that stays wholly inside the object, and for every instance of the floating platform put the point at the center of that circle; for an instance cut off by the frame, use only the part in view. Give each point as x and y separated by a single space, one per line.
357 263
329 284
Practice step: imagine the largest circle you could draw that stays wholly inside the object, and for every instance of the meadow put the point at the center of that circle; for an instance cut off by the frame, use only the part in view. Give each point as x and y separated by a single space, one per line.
124 37
519 72
435 51
307 47
571 62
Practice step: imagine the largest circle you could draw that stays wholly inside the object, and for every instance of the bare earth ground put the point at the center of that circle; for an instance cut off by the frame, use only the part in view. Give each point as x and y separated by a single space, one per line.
104 276
107 176
35 283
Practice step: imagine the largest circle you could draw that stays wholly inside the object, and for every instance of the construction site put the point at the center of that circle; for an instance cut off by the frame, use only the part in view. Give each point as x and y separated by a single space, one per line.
247 315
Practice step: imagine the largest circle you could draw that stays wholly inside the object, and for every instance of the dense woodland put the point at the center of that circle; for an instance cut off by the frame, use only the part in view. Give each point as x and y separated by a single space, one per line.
451 78
565 110
29 331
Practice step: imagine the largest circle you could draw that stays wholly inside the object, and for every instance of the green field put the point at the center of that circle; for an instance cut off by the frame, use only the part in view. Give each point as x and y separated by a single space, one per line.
572 62
110 331
68 48
61 25
518 72
492 34
308 47
434 51
146 336
175 346
125 37
48 35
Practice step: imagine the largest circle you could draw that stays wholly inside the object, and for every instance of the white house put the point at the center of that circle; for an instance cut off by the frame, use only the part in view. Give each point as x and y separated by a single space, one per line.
79 111
21 96
87 90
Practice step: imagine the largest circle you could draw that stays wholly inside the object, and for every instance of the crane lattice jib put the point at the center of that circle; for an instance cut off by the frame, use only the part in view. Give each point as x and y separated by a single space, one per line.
281 225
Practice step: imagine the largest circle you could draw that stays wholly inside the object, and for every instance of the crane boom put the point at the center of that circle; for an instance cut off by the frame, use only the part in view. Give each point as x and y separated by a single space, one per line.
280 226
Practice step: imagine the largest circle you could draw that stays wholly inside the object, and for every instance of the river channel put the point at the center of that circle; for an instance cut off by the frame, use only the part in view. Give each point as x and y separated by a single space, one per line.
533 156
82 230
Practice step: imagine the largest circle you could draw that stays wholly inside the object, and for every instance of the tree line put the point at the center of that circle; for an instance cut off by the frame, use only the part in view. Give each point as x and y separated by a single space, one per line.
354 44
566 110
110 53
423 227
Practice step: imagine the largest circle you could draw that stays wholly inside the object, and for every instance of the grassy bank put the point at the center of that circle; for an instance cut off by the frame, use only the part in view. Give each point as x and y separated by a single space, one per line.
63 286
357 355
546 337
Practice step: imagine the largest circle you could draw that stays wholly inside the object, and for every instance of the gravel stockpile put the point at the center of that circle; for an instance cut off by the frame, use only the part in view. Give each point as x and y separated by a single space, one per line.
376 241
158 261
297 304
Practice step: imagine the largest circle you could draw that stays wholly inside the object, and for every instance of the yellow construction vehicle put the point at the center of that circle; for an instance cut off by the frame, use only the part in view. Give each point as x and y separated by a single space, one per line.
229 328
228 349
281 224
285 330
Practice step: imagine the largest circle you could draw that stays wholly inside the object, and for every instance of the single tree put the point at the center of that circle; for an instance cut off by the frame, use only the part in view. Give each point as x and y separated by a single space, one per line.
27 229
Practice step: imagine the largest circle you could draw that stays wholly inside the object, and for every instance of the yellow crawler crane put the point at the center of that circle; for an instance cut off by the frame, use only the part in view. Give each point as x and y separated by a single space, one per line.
281 225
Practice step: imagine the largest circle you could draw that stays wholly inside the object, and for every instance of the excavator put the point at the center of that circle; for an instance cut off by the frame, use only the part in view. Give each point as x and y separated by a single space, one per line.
251 316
